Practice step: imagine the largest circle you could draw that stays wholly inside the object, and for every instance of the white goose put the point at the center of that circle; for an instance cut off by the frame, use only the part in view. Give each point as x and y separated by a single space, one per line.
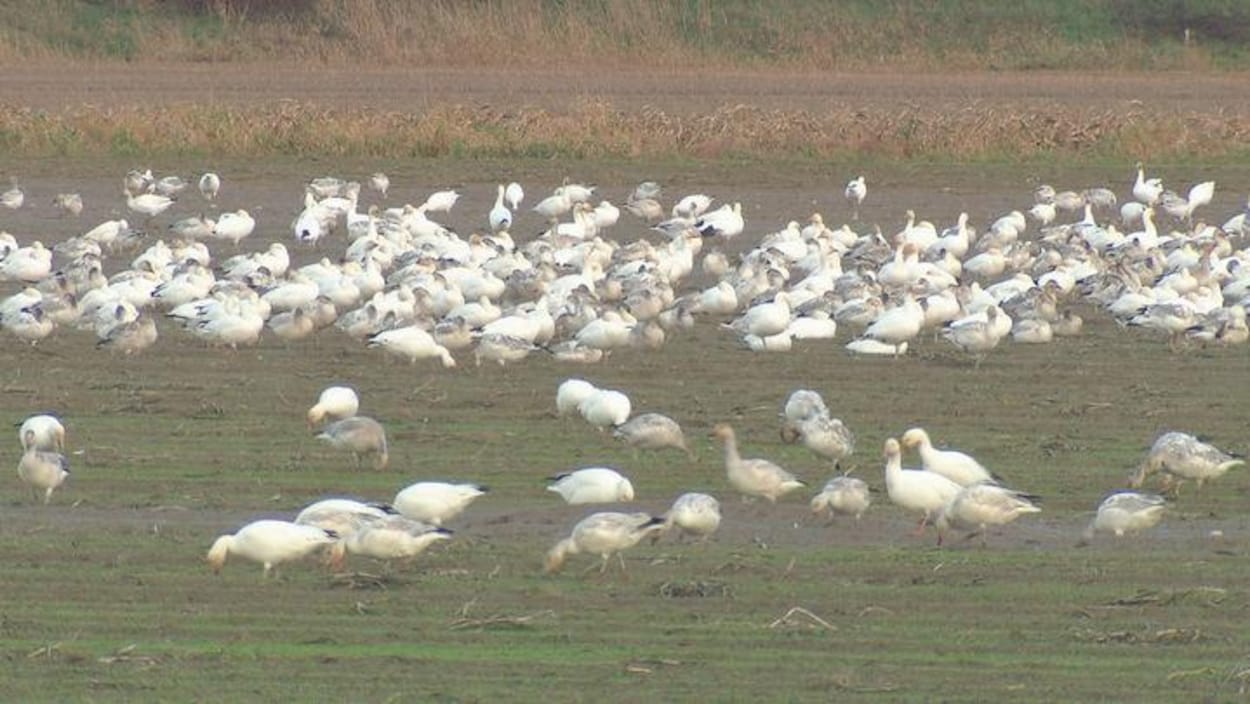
570 394
979 506
270 543
343 516
413 343
436 502
334 403
592 485
210 184
1125 512
604 534
753 477
500 218
843 496
916 489
856 191
695 514
42 432
605 408
955 466
390 538
1146 190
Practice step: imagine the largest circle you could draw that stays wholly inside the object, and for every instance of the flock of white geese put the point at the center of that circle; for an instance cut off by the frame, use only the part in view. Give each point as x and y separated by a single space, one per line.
411 287
951 490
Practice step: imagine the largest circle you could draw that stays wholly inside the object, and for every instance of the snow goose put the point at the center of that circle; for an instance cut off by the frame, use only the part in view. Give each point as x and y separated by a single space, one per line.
955 466
436 502
653 431
441 201
42 432
916 489
390 538
1125 512
42 470
554 205
234 227
334 403
413 343
270 543
692 206
979 506
695 514
802 404
897 325
380 182
1182 456
976 337
148 204
570 394
130 337
1032 331
842 496
604 534
502 349
13 198
873 348
856 191
169 186
822 434
725 222
68 203
359 435
500 218
605 408
343 516
592 485
753 477
514 194
1146 190
210 184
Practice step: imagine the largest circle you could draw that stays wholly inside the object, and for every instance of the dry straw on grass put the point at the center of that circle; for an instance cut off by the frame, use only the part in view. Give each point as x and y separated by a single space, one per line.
596 129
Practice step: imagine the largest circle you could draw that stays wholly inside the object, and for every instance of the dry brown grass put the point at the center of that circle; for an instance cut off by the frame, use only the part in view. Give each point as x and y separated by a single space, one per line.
596 129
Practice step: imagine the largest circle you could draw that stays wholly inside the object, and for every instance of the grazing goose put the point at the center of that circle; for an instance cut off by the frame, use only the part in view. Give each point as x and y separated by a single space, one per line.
955 466
802 404
1182 456
605 408
916 489
390 538
1125 512
148 204
436 502
359 435
571 393
441 201
592 485
753 477
979 506
725 222
653 431
42 432
695 514
270 543
413 343
825 436
842 496
42 470
343 516
334 403
603 534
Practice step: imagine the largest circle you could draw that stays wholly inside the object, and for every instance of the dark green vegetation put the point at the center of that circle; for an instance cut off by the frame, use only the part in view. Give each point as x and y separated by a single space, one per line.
107 596
948 34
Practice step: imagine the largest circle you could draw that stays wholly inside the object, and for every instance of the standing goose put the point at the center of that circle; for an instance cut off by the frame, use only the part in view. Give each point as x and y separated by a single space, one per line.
1146 190
1182 456
436 502
843 496
855 193
500 217
955 466
653 431
343 516
359 435
270 543
695 514
592 485
42 432
979 506
210 184
390 538
1125 512
380 182
334 403
603 534
916 489
571 393
753 477
40 469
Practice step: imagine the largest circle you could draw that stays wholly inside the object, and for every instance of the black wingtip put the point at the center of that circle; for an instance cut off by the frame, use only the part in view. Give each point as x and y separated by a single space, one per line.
331 533
384 508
